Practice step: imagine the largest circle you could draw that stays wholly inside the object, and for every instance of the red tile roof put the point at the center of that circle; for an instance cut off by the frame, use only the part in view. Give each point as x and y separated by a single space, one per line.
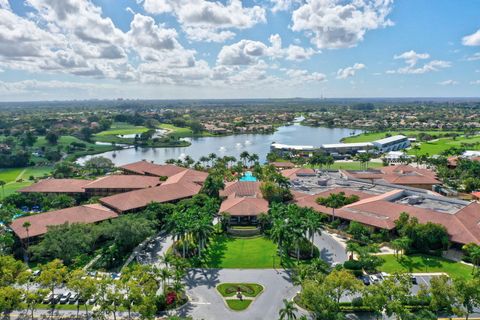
244 206
188 175
90 213
297 172
57 186
375 210
399 174
148 168
242 189
283 164
139 199
124 182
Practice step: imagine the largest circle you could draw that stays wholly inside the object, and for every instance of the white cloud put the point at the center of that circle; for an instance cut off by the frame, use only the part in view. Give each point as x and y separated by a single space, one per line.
412 58
448 83
349 71
472 40
298 76
202 20
145 33
474 57
283 5
244 52
4 4
247 52
335 24
475 82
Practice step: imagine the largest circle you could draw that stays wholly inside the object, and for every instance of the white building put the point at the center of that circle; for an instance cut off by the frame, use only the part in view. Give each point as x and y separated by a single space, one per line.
393 143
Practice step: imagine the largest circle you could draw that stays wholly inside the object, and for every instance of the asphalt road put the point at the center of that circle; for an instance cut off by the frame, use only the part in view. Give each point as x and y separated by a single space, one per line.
206 302
332 248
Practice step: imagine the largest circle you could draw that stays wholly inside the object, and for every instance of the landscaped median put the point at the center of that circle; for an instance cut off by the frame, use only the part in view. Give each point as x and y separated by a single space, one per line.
239 296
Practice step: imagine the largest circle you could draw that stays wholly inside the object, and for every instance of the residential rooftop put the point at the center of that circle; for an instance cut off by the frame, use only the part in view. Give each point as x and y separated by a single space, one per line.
39 223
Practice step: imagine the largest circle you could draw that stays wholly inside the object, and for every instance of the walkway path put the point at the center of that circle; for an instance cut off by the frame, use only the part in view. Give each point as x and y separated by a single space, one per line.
331 246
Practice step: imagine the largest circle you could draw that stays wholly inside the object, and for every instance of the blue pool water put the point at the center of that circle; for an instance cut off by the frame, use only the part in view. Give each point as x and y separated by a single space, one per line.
248 176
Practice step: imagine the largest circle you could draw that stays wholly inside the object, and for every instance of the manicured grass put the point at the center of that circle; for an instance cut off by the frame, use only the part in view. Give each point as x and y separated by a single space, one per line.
121 128
436 147
248 289
238 305
371 136
63 307
244 253
176 131
17 178
352 165
423 263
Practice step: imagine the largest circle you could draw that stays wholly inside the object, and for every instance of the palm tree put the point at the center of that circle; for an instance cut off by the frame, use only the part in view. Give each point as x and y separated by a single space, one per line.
335 201
244 156
288 312
204 160
212 156
2 184
253 158
26 225
164 275
313 225
352 247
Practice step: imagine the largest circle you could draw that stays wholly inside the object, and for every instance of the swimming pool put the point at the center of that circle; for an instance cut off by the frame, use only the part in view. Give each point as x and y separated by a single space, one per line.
248 176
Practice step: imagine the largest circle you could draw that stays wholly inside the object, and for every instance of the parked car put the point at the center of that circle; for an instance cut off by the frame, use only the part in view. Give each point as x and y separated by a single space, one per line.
365 280
56 297
48 298
414 280
374 278
65 297
73 298
36 273
91 301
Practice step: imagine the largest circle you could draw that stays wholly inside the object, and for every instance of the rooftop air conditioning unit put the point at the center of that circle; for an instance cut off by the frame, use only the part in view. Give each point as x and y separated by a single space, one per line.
415 200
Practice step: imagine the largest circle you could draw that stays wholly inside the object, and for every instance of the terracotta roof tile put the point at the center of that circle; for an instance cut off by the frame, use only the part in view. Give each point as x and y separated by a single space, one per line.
244 206
297 172
139 199
124 182
90 213
57 186
148 168
242 189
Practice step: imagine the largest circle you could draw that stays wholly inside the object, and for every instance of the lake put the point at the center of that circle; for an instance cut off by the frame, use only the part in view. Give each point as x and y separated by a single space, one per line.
231 145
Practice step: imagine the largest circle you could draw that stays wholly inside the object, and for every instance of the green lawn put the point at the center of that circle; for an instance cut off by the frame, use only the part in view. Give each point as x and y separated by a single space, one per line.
121 128
422 263
176 131
371 136
17 178
248 289
245 253
443 144
238 305
353 165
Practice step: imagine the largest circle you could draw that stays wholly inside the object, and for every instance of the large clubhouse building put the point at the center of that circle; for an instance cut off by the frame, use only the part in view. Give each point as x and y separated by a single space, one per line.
384 194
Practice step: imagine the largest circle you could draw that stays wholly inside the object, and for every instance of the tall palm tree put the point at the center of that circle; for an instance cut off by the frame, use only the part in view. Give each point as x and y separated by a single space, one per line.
288 312
212 156
244 156
164 274
336 200
2 184
253 158
26 225
204 160
313 225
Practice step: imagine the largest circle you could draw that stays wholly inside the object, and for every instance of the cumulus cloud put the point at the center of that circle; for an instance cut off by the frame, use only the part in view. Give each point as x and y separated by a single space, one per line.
472 40
247 52
474 57
412 60
298 76
349 71
202 20
448 83
476 82
283 5
336 24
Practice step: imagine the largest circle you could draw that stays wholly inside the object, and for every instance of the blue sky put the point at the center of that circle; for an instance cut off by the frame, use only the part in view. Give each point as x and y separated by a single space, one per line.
155 49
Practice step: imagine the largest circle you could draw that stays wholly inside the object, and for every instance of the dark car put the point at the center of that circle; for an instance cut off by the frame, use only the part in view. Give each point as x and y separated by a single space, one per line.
414 280
365 280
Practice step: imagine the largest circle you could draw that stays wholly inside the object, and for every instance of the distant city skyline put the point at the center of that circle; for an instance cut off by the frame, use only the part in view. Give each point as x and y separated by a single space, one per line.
198 49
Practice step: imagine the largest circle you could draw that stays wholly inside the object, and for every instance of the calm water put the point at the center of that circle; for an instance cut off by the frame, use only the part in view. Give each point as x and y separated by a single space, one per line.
232 145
